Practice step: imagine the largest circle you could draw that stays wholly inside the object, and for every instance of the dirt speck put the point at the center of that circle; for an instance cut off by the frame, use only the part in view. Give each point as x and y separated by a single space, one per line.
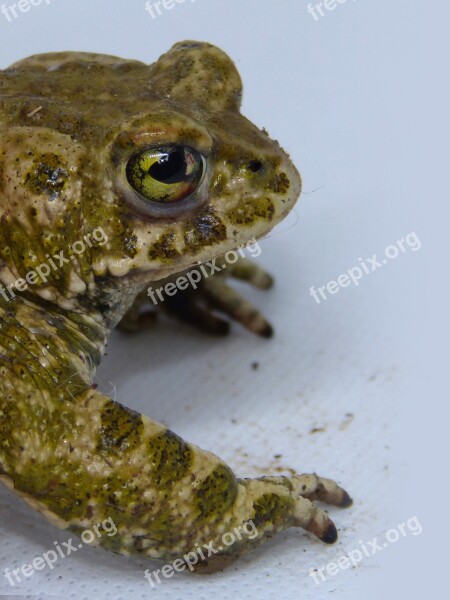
318 430
346 422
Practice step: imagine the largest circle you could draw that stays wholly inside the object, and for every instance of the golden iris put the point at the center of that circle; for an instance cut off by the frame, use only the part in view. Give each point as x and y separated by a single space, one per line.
166 174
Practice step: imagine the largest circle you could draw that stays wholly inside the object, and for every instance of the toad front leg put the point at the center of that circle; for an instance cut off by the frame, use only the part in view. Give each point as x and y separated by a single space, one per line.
81 458
206 294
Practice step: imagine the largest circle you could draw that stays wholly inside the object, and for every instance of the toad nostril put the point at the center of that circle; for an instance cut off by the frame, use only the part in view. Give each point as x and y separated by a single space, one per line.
255 166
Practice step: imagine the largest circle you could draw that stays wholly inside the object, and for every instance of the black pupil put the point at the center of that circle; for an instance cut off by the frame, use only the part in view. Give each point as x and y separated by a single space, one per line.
255 166
171 168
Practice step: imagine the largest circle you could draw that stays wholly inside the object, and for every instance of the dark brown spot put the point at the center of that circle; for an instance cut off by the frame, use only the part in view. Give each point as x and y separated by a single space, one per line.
217 493
272 508
249 211
120 430
279 184
205 229
170 457
163 249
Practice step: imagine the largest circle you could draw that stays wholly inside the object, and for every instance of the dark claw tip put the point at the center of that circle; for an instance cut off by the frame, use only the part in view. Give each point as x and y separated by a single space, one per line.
331 534
267 331
346 501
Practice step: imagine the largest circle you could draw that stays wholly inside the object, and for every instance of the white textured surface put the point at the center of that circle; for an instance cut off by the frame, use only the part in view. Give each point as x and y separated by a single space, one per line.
344 95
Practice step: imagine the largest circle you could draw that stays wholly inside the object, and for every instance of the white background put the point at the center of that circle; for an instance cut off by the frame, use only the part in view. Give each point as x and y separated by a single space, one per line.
359 99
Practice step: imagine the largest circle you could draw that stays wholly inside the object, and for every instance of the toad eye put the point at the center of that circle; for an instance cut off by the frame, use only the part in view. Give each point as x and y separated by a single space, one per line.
166 174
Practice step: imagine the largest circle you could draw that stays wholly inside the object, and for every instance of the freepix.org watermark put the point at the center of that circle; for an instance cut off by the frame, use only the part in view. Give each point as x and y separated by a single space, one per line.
366 550
317 10
51 557
189 560
41 273
13 11
155 9
193 277
366 267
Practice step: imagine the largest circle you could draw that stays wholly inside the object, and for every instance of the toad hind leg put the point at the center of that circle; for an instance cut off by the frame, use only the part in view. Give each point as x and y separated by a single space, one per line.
82 459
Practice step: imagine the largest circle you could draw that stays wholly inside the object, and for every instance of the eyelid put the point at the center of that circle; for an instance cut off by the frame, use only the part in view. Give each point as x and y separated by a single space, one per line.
163 128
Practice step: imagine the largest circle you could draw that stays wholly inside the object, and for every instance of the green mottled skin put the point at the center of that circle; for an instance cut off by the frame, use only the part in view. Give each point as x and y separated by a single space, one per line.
69 122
